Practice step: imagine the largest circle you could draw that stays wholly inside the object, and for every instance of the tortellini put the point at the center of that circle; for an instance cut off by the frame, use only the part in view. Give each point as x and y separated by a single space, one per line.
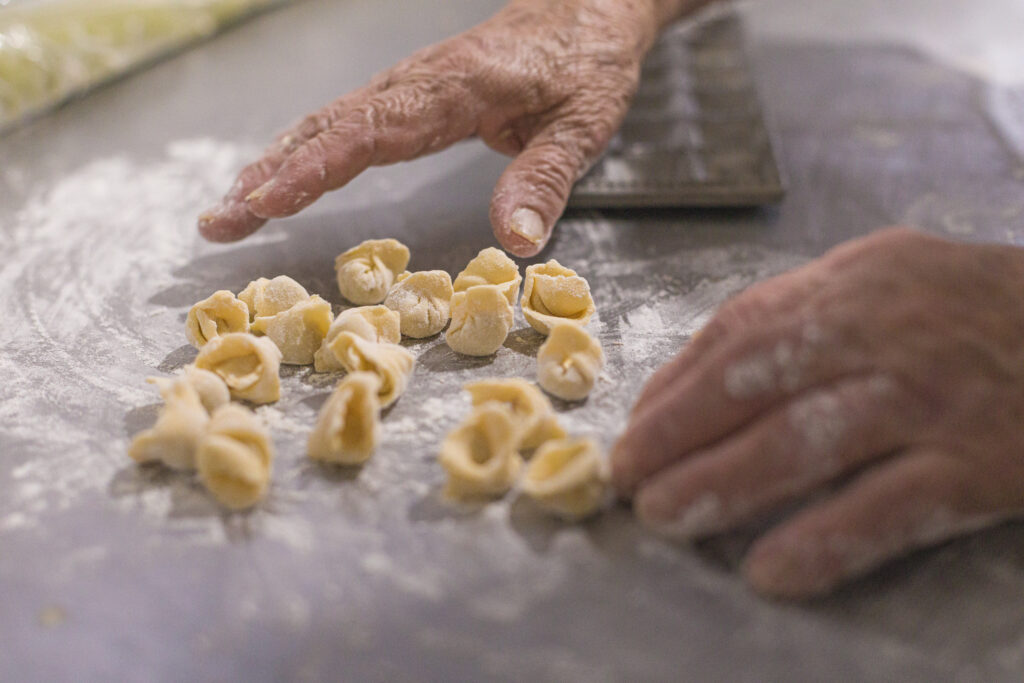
218 314
568 362
269 297
480 455
348 427
530 409
567 477
234 457
248 365
390 362
553 292
373 323
367 271
174 438
481 320
422 301
211 389
491 267
298 331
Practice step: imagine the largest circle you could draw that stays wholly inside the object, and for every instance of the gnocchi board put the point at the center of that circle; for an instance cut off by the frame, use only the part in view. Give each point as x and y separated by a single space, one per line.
696 134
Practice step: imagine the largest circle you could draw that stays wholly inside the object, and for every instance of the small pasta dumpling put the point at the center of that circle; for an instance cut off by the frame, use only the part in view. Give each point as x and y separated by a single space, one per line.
348 427
212 391
220 313
391 363
552 292
174 438
491 267
299 331
481 320
367 270
248 365
422 302
269 297
373 323
567 477
530 409
480 454
234 457
569 361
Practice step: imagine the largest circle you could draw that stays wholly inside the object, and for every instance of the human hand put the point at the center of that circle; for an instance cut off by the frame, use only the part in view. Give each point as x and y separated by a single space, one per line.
547 82
894 366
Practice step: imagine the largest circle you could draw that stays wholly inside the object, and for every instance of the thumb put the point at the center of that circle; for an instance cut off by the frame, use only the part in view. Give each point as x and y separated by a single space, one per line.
532 192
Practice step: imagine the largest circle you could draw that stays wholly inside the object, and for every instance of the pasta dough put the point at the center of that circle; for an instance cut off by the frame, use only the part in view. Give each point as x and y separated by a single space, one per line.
391 363
299 331
234 457
480 455
269 297
175 436
248 365
530 409
212 391
553 292
567 477
491 267
218 314
373 323
367 271
569 361
481 320
348 427
422 301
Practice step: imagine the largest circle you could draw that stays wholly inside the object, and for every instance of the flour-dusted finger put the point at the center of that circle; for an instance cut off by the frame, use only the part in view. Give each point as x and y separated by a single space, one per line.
782 294
789 452
915 500
532 193
231 219
727 388
418 115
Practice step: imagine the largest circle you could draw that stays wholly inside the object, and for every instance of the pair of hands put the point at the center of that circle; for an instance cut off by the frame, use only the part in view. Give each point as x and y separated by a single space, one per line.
894 365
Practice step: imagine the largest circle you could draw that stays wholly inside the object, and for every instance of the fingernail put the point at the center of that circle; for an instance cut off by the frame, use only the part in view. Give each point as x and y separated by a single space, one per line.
702 517
785 569
260 192
527 224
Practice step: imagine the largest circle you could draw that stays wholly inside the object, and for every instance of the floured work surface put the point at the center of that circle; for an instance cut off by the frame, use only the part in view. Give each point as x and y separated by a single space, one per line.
130 573
696 134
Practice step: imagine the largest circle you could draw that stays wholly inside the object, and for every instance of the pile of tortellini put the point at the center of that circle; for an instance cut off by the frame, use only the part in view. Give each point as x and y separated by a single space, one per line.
243 340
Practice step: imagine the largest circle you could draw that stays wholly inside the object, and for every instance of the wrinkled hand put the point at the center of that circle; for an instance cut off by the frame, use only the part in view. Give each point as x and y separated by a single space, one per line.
893 366
547 82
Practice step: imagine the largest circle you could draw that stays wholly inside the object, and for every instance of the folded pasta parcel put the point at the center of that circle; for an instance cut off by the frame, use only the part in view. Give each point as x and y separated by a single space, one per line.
480 455
269 297
175 437
552 292
234 457
367 271
392 364
491 267
569 361
481 320
422 302
248 365
567 477
378 324
298 331
348 427
220 313
531 411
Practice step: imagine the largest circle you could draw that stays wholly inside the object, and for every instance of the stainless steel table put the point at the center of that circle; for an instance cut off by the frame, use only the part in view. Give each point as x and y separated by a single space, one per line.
113 572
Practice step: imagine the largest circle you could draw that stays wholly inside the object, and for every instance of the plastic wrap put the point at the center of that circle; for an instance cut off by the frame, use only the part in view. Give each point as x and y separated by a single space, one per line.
51 50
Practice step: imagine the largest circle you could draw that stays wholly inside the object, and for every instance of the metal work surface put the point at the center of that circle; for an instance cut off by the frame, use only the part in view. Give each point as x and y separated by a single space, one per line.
109 571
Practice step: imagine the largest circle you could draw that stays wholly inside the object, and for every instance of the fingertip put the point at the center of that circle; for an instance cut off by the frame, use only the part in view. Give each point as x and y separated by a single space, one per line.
792 569
522 233
228 223
622 473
